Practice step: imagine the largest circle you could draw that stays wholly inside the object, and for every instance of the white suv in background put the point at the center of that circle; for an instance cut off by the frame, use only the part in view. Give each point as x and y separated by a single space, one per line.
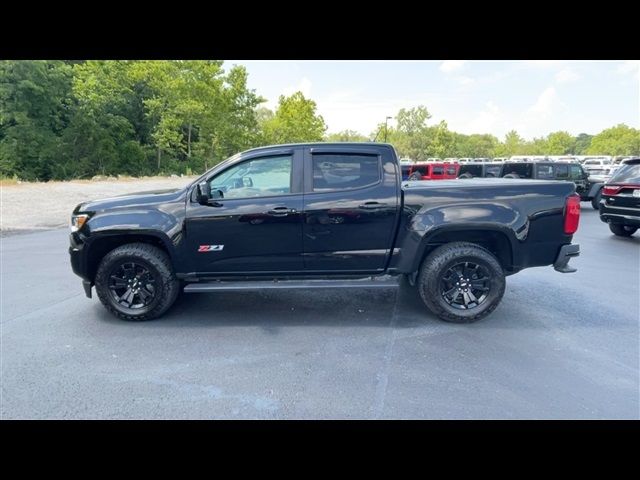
597 164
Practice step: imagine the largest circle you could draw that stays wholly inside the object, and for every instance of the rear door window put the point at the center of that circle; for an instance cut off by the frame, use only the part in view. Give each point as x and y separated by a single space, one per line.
344 171
544 172
562 172
575 172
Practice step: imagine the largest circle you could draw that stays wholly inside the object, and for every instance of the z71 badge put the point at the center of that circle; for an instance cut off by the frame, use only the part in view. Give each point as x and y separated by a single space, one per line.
210 248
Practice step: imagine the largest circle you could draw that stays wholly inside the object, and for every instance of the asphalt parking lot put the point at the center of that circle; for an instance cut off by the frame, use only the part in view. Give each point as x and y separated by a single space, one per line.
559 346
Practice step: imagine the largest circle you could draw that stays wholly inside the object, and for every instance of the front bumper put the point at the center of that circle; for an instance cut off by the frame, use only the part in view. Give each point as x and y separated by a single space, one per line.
567 252
78 262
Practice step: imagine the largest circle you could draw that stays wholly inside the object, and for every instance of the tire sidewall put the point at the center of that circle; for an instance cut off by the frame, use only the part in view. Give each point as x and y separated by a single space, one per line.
595 203
430 281
106 268
621 231
496 286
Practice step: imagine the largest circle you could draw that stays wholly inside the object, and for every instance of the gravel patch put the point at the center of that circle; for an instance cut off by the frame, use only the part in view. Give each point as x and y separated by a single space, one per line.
29 207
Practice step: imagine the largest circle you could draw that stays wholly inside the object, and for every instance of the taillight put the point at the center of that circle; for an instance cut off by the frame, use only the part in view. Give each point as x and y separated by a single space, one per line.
571 214
611 189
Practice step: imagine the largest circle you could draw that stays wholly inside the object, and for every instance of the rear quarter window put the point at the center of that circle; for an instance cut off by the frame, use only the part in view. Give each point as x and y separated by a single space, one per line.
523 170
627 174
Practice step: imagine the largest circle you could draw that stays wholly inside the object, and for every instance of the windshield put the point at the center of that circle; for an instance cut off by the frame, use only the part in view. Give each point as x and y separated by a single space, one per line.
627 174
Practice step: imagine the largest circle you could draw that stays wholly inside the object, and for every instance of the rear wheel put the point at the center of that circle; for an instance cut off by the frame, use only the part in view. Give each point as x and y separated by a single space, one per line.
622 230
595 201
136 282
461 282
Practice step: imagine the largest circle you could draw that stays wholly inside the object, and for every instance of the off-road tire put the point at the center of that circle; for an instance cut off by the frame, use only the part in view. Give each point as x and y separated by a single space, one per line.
595 201
438 262
622 230
153 258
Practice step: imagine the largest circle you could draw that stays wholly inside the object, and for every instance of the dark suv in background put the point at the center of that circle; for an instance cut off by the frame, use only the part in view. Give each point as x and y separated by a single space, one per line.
483 170
620 203
564 171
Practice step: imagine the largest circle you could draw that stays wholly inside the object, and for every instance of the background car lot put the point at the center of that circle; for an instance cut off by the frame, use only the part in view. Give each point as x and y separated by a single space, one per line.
559 346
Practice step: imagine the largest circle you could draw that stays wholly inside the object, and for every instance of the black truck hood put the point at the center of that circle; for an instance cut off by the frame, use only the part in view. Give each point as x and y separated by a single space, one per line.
132 199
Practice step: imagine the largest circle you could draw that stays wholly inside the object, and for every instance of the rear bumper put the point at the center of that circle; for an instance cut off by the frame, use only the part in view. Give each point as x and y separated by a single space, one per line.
567 252
625 216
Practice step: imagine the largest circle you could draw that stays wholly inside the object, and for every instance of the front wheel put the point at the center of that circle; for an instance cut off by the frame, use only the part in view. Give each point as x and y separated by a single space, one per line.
136 282
622 230
461 282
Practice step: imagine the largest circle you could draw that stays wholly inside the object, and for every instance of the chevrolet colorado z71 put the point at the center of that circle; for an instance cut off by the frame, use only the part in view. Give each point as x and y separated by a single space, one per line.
322 215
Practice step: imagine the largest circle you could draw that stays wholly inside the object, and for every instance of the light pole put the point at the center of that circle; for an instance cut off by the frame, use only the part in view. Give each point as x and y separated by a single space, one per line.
385 128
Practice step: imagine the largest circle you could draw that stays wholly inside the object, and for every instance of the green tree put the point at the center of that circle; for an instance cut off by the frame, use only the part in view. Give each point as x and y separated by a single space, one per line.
583 141
295 121
482 145
618 140
36 105
441 140
560 143
346 136
412 136
513 144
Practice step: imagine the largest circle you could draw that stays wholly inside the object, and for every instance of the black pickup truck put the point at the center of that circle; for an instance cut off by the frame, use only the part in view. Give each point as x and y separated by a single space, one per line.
322 215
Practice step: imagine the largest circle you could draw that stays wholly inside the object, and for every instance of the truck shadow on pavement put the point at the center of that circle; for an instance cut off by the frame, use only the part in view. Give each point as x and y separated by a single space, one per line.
400 308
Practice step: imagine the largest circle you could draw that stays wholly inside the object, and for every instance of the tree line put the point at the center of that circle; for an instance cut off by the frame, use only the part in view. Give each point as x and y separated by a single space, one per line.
77 119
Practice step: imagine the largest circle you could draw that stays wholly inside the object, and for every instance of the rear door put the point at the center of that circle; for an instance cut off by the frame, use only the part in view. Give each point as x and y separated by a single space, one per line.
350 209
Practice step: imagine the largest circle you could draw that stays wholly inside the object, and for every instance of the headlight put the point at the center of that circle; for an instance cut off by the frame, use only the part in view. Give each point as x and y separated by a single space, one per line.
77 221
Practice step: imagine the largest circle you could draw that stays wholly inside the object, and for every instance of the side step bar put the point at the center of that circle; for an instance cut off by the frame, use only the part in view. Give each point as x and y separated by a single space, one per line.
230 286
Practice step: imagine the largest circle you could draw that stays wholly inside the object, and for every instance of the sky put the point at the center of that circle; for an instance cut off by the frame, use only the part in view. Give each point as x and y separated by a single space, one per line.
532 97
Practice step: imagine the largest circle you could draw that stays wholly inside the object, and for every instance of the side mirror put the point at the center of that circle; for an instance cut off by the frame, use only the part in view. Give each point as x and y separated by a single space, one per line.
203 194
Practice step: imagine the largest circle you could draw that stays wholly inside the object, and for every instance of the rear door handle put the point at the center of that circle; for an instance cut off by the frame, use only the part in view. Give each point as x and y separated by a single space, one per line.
281 211
372 205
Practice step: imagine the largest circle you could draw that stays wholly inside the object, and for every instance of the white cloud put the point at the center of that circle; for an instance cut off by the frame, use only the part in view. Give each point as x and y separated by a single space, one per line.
464 80
567 75
545 103
449 66
630 66
303 86
542 64
486 121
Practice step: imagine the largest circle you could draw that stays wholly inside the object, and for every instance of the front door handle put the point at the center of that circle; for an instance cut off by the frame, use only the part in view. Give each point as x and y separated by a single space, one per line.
372 205
281 211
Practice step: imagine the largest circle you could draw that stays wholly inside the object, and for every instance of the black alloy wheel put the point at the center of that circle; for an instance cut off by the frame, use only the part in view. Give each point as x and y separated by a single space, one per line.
132 285
465 285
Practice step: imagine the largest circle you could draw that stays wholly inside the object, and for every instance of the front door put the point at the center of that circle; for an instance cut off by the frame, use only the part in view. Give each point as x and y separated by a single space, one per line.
256 225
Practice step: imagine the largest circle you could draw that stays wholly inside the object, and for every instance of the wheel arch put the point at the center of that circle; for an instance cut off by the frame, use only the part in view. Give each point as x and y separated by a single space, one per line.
495 240
102 244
